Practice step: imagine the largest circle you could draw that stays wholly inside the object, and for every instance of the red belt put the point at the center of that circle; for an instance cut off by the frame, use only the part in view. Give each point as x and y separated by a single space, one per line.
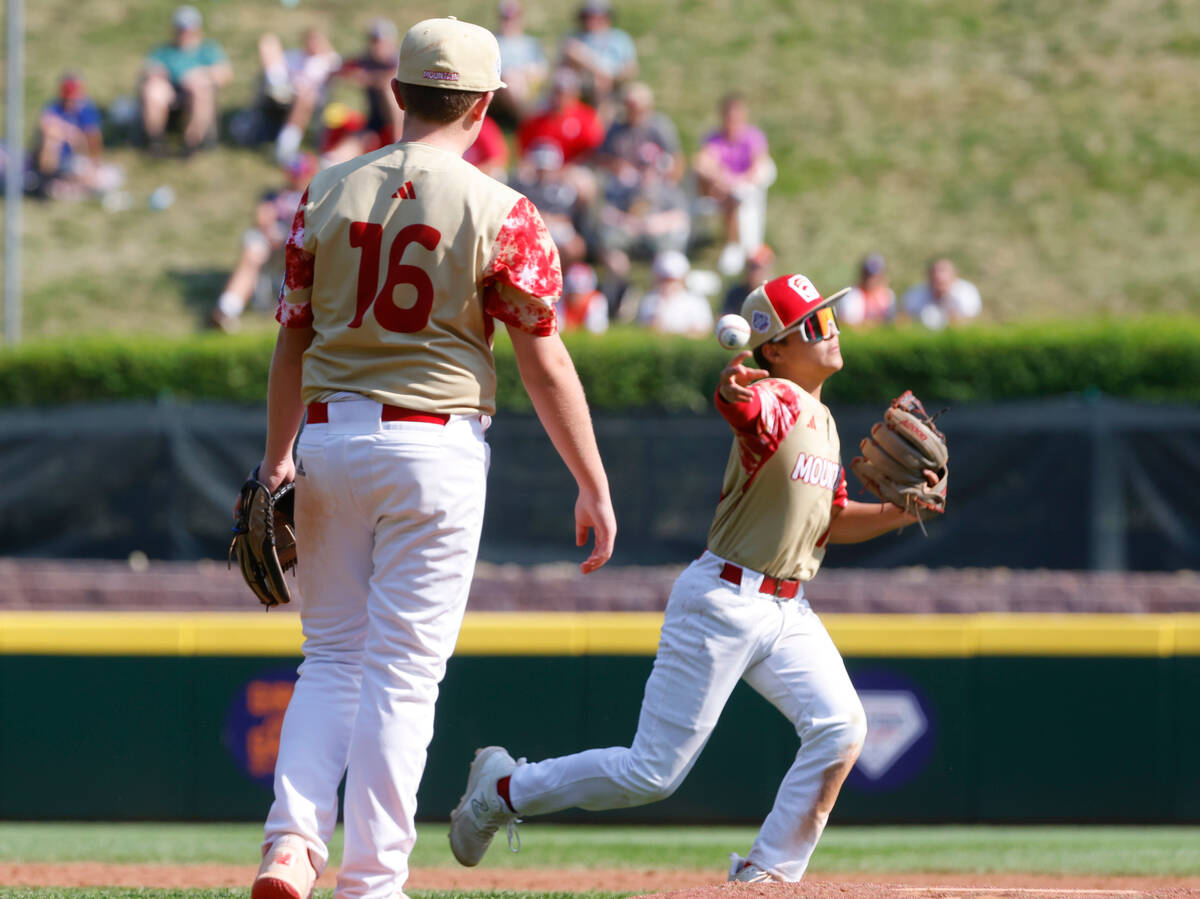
318 414
785 588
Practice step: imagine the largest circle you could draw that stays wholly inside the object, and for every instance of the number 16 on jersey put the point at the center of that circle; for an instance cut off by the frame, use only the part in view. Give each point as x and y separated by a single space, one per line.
368 237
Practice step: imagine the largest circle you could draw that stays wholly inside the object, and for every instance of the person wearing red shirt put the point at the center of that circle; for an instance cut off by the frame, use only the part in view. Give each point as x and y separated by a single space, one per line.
489 153
567 121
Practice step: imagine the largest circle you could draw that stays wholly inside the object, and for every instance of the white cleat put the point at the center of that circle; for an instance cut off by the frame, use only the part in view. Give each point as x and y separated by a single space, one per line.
742 870
481 811
286 871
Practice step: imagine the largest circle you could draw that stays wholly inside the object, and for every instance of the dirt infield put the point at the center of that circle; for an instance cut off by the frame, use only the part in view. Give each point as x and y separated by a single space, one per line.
662 884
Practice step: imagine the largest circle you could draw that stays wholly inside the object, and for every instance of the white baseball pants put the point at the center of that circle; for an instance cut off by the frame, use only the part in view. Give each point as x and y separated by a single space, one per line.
714 633
388 516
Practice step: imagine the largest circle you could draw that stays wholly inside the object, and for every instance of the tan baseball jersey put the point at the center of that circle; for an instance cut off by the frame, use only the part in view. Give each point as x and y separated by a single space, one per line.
783 478
400 260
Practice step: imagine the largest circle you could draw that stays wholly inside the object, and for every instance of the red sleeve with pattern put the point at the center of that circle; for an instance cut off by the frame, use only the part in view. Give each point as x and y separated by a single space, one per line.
761 424
840 496
741 416
524 277
294 309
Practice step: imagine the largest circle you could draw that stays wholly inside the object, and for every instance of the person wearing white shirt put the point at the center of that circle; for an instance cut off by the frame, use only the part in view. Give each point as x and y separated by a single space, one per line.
945 299
670 307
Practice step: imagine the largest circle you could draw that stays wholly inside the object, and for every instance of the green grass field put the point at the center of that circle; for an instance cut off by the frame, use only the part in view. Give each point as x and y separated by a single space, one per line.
1133 851
1044 146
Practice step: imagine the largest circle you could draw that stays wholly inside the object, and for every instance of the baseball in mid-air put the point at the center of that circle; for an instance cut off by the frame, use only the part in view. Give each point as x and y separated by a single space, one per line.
733 331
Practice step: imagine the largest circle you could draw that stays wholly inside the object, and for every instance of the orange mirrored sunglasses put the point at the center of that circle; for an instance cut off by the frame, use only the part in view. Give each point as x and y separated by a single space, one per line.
818 326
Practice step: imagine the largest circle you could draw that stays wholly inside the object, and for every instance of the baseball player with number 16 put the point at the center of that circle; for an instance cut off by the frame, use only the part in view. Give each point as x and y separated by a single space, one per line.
737 612
398 266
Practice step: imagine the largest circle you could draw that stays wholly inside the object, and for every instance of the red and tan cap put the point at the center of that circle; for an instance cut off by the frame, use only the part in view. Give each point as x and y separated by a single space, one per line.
450 54
775 306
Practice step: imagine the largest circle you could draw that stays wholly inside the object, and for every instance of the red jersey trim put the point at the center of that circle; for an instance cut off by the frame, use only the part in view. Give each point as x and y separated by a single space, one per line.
298 275
524 273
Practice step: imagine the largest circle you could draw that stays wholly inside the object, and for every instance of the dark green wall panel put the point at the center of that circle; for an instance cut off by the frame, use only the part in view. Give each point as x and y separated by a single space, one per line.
1086 739
1005 739
1184 747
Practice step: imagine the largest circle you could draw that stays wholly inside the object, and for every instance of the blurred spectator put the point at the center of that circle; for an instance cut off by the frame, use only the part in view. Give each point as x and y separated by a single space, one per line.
605 56
944 299
870 301
263 242
340 128
373 72
581 305
293 87
566 120
641 123
522 66
542 178
669 307
489 153
734 169
68 146
758 270
641 218
183 77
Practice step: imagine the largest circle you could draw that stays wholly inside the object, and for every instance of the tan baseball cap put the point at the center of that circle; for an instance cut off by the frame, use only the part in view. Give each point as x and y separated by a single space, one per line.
450 54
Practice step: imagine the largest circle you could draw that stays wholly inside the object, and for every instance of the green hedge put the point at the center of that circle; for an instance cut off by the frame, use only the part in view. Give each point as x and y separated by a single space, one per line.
1146 359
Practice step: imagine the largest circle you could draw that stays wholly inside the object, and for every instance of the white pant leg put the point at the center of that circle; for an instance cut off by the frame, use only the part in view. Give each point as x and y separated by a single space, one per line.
752 209
416 491
711 632
334 545
805 678
428 490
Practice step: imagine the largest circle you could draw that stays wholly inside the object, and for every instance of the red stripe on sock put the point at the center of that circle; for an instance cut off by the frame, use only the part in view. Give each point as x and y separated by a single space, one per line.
502 789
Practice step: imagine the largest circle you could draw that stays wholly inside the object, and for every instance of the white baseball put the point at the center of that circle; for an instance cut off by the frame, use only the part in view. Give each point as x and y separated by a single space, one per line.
733 331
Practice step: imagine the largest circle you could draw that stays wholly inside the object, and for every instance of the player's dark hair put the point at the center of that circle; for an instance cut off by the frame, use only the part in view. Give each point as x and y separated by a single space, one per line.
760 358
437 105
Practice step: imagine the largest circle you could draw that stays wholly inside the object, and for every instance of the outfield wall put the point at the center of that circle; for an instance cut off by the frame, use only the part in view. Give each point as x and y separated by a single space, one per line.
974 718
1067 483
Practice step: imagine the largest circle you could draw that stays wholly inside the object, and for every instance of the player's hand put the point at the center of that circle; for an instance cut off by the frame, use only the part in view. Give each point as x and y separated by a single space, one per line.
931 477
736 378
273 475
594 512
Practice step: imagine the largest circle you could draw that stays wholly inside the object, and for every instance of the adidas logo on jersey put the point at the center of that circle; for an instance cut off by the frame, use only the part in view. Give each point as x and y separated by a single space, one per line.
406 191
817 471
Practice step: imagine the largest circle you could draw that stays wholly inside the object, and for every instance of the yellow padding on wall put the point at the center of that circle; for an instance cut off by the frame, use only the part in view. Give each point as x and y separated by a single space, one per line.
603 633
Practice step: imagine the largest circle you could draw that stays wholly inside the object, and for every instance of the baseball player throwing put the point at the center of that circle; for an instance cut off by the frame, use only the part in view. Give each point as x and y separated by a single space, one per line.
736 612
398 264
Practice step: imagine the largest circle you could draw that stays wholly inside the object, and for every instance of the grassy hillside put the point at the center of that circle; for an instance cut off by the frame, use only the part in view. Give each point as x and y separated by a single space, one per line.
1052 149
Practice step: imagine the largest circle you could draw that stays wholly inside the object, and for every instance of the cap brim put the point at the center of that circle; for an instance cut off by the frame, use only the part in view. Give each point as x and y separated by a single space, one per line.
794 326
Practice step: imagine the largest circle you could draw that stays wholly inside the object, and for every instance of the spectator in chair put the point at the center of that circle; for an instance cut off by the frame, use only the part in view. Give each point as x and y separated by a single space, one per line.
373 71
184 76
294 85
522 66
734 169
68 145
603 55
758 269
582 306
669 307
640 123
566 120
944 299
871 301
542 179
263 241
640 219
